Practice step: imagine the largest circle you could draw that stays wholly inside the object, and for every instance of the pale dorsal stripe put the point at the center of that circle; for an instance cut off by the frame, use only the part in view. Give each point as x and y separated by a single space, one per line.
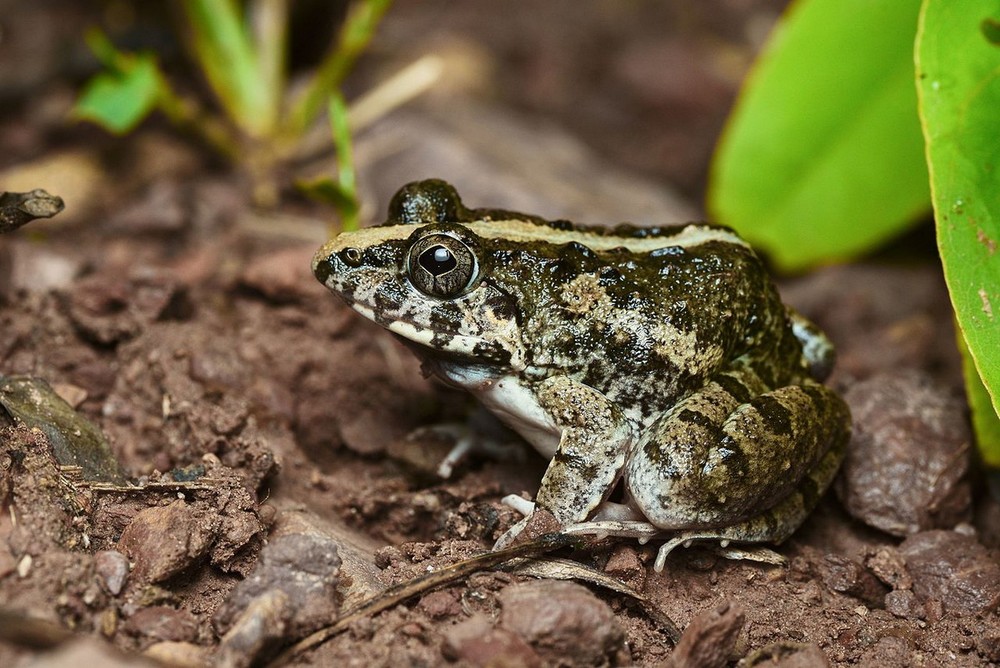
524 231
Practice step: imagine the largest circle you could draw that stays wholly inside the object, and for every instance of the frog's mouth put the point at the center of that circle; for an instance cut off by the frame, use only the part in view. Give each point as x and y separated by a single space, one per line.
425 340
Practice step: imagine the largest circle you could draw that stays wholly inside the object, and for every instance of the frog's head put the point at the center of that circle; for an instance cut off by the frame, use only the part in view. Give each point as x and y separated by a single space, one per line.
420 275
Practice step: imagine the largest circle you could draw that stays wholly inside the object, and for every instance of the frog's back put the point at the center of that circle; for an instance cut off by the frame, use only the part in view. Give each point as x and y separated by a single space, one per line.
643 315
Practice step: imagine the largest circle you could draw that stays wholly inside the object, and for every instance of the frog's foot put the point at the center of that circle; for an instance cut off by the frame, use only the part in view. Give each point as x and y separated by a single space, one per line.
758 553
469 441
520 505
644 532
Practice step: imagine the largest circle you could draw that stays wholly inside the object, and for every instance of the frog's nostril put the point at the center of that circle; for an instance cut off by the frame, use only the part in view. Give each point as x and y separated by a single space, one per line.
351 256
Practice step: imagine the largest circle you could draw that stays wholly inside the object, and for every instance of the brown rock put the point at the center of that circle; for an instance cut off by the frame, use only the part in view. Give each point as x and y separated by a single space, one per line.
846 576
710 639
162 623
954 569
906 465
165 540
988 643
476 642
305 568
903 603
563 621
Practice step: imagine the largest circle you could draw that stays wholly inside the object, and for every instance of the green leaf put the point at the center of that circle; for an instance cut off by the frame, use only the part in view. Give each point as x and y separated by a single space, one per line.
118 100
823 158
958 81
357 31
342 193
985 421
225 52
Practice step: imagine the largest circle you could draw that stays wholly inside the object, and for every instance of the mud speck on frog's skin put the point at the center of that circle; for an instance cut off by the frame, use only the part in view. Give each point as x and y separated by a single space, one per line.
659 356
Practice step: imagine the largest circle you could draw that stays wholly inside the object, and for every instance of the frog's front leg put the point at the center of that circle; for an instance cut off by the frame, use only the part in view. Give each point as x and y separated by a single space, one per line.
594 439
732 462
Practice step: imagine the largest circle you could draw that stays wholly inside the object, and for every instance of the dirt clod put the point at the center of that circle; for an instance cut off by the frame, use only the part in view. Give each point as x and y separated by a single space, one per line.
954 569
889 566
787 655
282 276
709 641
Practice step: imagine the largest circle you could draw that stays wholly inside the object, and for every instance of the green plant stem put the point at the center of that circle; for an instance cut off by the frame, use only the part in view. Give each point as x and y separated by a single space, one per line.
341 128
358 29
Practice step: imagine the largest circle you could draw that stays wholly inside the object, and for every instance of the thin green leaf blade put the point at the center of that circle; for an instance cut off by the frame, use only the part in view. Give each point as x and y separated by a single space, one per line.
823 157
958 68
119 100
225 52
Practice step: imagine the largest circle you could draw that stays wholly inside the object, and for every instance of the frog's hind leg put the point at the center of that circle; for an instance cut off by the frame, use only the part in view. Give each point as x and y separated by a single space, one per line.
776 524
733 464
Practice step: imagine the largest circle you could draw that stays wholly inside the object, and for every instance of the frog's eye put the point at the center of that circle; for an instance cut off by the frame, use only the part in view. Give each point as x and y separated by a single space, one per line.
442 266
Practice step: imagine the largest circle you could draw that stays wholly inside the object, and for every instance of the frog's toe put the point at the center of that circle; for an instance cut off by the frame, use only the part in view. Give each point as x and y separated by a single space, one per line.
756 553
512 533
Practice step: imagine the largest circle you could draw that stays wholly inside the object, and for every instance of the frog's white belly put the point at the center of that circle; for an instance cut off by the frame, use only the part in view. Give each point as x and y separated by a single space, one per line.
508 398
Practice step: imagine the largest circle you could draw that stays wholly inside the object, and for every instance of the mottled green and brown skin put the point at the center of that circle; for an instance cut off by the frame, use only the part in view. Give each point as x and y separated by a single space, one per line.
662 356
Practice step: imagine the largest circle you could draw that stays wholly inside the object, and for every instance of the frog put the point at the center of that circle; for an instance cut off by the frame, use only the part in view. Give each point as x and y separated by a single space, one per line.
655 364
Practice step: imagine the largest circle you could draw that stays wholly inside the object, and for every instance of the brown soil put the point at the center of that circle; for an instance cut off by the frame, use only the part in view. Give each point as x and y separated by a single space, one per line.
274 435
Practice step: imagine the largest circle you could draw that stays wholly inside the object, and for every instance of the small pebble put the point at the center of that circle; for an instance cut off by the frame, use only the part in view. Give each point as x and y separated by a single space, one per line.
179 654
846 576
112 566
903 603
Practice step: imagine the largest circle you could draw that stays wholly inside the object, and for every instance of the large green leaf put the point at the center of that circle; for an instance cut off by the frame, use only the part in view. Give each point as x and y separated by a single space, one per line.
958 80
823 157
